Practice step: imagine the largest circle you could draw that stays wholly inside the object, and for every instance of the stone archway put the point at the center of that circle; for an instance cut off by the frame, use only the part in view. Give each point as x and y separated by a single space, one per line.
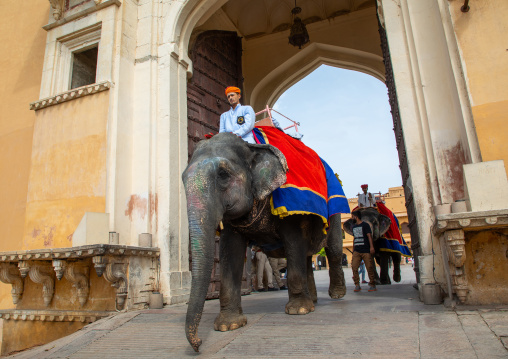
434 109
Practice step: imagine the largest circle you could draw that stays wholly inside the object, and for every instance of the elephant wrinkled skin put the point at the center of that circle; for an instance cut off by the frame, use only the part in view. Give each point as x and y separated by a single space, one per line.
231 181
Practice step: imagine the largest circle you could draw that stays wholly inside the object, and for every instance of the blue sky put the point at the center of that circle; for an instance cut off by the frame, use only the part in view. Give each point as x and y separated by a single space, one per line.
345 117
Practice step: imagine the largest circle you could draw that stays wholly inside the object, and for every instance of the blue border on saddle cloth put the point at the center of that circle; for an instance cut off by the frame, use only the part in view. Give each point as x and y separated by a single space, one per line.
393 245
288 200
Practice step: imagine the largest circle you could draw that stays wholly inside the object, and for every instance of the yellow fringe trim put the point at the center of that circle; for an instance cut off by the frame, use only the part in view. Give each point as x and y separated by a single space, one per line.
337 196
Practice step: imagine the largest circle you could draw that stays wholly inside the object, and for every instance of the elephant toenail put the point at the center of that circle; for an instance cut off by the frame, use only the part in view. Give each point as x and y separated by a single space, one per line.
223 328
302 311
234 326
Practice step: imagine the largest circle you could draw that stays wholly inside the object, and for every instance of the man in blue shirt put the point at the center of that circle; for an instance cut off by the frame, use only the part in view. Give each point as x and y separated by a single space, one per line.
239 119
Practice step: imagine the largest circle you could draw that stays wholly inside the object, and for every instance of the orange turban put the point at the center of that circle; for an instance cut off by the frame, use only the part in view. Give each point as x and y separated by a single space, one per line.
230 89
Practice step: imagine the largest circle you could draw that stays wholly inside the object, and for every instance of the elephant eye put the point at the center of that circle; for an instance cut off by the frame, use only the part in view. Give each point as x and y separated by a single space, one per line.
223 174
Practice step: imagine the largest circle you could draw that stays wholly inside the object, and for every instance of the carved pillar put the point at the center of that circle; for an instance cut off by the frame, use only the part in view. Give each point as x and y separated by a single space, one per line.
116 274
43 274
456 248
9 274
58 6
78 274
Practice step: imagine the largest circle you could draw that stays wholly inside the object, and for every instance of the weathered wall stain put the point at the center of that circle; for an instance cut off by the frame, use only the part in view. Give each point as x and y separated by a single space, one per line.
454 158
137 204
154 207
44 236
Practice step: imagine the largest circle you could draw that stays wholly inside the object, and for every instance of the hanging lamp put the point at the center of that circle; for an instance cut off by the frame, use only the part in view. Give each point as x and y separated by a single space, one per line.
298 35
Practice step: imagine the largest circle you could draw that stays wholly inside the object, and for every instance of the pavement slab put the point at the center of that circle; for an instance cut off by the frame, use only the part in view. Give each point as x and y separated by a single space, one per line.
388 323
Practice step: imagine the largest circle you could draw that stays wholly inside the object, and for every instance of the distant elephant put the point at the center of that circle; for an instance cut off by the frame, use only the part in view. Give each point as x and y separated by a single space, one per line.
379 224
230 180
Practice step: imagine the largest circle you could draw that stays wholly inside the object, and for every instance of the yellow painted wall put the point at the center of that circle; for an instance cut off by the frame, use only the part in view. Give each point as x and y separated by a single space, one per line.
68 174
22 56
486 266
481 34
41 333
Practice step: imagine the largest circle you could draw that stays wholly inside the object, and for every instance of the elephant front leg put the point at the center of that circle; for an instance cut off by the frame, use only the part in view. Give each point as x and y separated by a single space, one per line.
232 258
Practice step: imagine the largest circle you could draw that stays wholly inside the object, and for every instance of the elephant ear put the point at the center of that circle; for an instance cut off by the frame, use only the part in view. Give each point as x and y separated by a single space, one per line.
348 226
268 170
384 224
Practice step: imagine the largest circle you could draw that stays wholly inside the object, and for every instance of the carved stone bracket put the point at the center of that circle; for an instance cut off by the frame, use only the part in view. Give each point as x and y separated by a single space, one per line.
9 274
456 249
58 6
115 273
59 266
43 274
99 263
79 275
456 246
24 268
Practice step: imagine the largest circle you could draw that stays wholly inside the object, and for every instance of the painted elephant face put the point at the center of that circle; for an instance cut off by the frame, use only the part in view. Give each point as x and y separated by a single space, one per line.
379 223
229 173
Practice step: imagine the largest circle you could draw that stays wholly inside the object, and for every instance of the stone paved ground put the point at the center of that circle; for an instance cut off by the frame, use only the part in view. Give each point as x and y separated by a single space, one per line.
389 323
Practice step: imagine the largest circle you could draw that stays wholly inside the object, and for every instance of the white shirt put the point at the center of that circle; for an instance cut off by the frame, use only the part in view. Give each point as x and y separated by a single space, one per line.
365 201
239 121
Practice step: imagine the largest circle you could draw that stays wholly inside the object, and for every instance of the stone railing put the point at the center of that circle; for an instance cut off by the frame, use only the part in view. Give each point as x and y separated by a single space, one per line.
111 262
451 228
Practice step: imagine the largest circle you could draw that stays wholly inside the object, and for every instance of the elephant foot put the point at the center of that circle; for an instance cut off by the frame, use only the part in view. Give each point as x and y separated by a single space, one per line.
337 292
228 321
396 277
300 306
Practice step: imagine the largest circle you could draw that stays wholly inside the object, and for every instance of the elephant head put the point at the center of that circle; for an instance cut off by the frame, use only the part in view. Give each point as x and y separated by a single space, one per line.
224 176
379 223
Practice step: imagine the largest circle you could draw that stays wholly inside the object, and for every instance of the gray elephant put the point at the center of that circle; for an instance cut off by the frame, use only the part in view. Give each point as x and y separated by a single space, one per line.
379 224
230 180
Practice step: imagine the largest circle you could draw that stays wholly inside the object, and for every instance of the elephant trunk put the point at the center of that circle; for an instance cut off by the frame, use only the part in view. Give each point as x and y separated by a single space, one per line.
203 221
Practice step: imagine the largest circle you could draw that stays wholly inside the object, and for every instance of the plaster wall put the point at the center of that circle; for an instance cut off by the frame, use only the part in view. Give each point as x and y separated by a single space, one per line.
480 34
22 49
68 170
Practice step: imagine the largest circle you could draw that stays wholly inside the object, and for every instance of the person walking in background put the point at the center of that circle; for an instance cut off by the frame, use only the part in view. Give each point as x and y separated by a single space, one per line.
277 264
263 267
363 249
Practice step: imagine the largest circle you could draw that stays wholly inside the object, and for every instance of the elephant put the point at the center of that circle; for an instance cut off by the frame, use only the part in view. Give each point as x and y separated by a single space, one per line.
229 180
379 224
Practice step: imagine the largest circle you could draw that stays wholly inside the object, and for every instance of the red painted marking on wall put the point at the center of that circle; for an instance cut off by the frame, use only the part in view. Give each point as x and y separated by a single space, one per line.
136 204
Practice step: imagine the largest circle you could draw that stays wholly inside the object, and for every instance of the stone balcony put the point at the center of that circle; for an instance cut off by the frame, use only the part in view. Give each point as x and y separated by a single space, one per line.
477 251
33 275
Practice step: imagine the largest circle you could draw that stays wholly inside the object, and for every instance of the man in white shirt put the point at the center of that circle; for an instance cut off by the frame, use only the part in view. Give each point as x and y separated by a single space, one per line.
366 199
239 119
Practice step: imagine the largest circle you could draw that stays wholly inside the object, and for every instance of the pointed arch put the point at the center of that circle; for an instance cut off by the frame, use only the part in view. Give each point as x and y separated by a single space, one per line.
272 86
